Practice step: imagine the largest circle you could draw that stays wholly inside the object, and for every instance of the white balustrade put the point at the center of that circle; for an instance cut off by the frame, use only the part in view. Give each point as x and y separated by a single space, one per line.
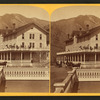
26 74
88 74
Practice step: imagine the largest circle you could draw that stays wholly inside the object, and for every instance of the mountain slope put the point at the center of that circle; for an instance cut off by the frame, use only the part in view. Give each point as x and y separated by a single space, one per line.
19 20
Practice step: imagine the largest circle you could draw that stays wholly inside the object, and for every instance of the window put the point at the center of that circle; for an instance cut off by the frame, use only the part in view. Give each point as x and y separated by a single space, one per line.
22 44
23 36
30 36
40 36
30 44
33 36
96 37
40 45
33 45
96 46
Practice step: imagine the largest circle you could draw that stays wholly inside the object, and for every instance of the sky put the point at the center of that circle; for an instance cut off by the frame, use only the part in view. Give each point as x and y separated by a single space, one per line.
27 11
74 11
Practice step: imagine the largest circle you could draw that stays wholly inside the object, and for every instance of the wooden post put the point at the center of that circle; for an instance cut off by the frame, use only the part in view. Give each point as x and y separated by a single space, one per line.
95 59
81 57
84 59
1 56
75 57
40 56
21 58
72 58
10 56
10 59
78 58
7 55
31 59
4 56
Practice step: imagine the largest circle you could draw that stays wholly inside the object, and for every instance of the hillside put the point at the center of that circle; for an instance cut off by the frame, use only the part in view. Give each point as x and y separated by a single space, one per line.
60 29
19 20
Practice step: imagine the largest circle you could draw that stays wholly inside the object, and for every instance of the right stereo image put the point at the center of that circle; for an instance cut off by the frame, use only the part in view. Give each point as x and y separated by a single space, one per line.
75 50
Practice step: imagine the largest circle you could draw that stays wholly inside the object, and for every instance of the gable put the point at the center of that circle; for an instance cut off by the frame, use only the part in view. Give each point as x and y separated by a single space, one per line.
26 28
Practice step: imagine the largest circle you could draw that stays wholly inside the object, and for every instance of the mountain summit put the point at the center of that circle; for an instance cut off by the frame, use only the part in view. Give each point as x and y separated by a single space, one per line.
8 19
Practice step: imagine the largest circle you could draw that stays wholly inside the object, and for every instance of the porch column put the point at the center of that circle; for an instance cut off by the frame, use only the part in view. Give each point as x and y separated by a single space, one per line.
84 57
75 57
31 59
46 55
30 55
95 59
1 56
7 55
21 58
40 56
72 57
4 56
69 57
78 58
84 60
64 58
81 57
10 56
10 59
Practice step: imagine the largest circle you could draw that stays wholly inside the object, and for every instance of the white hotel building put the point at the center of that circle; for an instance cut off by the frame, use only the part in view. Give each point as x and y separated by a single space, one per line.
24 46
83 47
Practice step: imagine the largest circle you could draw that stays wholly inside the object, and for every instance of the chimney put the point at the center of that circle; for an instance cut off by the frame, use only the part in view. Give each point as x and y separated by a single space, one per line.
75 38
80 30
14 27
68 36
6 30
87 28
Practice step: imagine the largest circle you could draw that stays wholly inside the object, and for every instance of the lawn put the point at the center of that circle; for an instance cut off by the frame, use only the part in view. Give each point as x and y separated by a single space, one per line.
57 75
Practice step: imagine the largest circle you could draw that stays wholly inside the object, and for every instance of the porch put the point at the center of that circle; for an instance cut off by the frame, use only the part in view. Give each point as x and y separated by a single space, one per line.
23 58
87 59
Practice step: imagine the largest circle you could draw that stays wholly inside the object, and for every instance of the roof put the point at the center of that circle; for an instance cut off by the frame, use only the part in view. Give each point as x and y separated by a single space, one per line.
86 33
10 32
69 40
81 34
78 33
3 31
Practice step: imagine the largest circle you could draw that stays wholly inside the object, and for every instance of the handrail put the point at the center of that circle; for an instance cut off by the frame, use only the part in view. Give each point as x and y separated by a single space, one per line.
67 84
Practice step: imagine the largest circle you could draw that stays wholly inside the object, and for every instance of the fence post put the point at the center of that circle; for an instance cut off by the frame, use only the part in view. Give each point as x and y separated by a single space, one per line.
59 87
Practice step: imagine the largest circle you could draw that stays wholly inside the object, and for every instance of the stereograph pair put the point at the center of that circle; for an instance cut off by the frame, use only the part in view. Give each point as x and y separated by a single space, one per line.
61 55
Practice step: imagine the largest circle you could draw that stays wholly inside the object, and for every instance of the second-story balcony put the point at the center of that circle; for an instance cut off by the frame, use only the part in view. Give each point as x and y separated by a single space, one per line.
23 48
78 51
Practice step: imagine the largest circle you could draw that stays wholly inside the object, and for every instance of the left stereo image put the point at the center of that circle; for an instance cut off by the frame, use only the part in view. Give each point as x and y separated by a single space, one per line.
24 49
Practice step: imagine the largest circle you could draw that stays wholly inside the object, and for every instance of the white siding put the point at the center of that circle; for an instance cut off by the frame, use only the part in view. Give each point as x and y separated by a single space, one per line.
36 39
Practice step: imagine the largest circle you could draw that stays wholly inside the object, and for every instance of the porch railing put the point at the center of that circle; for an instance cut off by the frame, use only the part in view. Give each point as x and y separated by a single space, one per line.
88 74
76 75
27 49
15 73
67 84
